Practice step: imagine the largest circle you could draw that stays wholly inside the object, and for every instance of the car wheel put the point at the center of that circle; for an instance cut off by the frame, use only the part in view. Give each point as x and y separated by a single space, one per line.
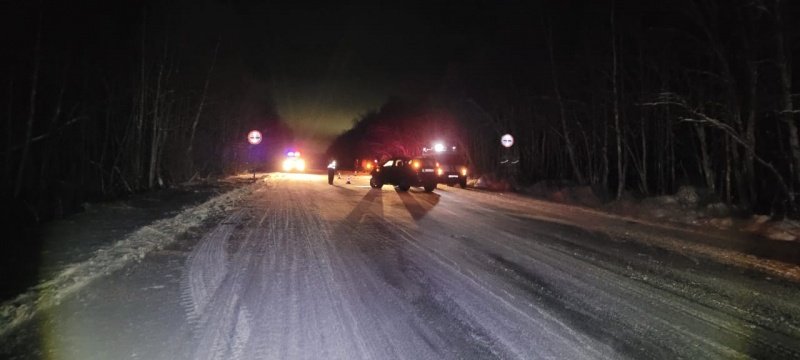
375 183
430 187
404 187
463 183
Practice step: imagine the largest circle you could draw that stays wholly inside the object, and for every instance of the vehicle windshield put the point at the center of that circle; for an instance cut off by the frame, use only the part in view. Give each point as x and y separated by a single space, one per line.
451 159
426 162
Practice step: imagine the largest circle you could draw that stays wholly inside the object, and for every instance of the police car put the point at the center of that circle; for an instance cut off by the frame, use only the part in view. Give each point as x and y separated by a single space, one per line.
293 162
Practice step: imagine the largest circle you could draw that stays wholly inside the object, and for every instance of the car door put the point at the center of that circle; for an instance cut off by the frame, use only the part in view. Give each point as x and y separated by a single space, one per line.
399 169
386 171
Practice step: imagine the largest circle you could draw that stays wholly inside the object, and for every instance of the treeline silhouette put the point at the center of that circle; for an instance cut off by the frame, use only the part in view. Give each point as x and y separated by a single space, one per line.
102 99
632 96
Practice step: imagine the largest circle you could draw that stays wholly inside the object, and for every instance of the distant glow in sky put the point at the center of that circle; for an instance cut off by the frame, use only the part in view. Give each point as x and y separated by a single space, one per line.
318 113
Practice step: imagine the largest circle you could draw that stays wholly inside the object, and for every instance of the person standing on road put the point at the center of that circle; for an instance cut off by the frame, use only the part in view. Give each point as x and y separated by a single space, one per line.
331 171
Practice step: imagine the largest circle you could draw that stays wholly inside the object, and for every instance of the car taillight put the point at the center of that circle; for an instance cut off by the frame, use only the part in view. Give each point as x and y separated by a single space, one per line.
463 171
439 171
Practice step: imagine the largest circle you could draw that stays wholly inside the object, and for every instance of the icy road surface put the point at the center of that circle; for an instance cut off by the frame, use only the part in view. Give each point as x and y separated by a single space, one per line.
304 270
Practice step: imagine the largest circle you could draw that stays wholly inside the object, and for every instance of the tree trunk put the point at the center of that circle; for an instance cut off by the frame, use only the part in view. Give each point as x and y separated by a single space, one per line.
614 93
750 133
787 104
9 133
562 112
51 135
156 130
606 162
31 111
189 156
139 133
705 158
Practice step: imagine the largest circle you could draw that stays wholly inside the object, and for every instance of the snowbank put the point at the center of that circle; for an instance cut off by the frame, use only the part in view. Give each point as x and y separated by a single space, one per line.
691 206
106 260
688 206
565 192
489 182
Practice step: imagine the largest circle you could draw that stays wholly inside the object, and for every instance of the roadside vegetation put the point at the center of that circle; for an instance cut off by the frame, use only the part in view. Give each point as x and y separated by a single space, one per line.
634 100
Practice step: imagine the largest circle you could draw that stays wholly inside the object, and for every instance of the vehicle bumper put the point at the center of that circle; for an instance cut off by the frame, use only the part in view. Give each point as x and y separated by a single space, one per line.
450 178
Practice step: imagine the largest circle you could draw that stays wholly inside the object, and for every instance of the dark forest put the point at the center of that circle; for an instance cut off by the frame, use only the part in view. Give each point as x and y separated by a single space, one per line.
104 99
628 96
631 97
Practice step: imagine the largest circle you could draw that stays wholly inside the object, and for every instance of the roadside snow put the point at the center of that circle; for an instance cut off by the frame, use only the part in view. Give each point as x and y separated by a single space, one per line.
106 260
688 206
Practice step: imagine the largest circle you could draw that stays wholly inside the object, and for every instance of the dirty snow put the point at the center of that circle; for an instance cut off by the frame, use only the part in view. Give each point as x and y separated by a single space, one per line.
64 279
687 207
301 269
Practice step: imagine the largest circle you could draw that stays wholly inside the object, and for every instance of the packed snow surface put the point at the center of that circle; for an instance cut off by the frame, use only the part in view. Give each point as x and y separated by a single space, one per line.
91 259
302 270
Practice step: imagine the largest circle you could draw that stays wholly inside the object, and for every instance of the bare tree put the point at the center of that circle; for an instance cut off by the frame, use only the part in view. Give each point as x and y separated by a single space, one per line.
787 111
200 105
576 170
621 166
32 109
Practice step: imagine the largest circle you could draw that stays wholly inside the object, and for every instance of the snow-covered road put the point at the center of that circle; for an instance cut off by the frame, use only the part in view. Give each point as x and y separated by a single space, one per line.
304 270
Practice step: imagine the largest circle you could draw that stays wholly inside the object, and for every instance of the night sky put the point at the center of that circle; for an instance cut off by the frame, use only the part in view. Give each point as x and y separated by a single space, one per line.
327 63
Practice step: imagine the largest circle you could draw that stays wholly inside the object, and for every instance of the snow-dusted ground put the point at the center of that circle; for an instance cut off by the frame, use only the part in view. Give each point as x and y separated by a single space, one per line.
106 237
301 269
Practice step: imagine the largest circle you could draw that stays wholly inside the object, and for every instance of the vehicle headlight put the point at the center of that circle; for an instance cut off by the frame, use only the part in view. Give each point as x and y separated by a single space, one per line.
287 164
301 164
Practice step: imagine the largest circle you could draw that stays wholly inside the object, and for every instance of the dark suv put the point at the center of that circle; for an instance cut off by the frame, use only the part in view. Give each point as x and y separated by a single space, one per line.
405 173
452 169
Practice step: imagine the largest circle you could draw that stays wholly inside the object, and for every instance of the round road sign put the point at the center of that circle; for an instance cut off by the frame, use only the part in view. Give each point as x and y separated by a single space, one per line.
507 140
254 137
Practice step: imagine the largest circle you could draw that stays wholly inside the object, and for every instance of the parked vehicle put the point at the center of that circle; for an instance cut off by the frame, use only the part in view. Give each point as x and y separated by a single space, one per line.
452 169
406 172
293 162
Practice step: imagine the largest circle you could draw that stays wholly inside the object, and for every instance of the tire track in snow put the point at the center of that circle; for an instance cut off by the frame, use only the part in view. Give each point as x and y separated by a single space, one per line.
300 309
133 248
222 327
207 266
525 329
678 326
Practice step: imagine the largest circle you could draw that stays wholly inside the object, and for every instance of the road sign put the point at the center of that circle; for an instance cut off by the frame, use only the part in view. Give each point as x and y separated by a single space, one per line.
507 140
254 137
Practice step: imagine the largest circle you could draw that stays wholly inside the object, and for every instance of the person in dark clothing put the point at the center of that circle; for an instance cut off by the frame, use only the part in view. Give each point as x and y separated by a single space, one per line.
331 171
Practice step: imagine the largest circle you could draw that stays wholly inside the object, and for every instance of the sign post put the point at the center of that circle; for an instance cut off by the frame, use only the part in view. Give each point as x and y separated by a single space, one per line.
509 160
507 140
254 137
